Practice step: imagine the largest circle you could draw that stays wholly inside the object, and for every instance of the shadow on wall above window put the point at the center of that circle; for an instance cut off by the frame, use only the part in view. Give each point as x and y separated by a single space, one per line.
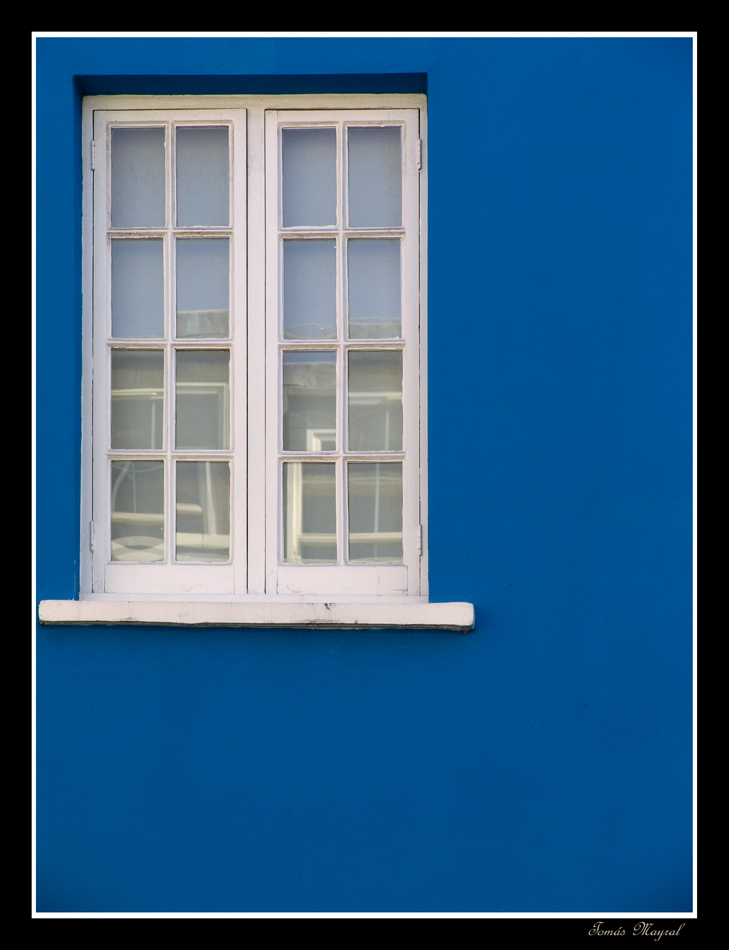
252 85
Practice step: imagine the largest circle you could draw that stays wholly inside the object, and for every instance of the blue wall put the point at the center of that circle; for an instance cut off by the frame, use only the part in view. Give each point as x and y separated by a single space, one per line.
542 763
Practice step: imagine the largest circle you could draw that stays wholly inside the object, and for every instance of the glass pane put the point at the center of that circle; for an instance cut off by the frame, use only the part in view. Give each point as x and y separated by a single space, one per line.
202 288
375 511
374 289
202 177
309 501
203 402
375 178
138 178
309 403
375 401
309 291
137 511
203 511
137 399
137 289
309 177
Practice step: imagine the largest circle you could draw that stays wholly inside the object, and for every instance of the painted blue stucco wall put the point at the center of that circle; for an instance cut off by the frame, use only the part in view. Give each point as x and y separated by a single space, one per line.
541 763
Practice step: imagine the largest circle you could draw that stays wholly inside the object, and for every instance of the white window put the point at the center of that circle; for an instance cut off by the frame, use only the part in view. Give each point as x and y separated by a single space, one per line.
254 354
169 355
343 480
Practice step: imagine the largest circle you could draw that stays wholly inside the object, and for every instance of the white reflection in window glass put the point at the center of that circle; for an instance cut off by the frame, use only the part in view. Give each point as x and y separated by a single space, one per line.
309 285
137 289
202 177
309 401
202 530
309 177
309 503
203 399
137 511
375 400
137 399
202 288
375 511
375 178
137 178
373 289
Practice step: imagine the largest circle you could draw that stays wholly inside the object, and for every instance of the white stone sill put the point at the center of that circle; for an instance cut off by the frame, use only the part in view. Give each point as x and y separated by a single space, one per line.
453 616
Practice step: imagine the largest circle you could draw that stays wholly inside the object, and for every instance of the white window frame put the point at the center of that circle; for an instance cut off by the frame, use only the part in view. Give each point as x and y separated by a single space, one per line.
123 578
344 579
165 593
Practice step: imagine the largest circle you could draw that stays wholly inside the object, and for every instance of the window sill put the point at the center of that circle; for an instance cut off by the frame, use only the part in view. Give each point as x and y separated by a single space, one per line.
452 616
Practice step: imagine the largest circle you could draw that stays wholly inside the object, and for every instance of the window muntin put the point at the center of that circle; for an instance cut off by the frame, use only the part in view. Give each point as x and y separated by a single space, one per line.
341 484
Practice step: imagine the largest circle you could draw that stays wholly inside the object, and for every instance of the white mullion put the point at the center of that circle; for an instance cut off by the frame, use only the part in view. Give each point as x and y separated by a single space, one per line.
171 173
340 493
170 331
422 350
343 472
345 174
159 233
273 298
340 468
238 317
86 567
411 365
379 345
170 454
341 247
375 456
340 153
101 515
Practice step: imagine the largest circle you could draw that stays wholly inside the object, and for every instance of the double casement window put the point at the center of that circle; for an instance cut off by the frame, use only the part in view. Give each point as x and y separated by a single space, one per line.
254 353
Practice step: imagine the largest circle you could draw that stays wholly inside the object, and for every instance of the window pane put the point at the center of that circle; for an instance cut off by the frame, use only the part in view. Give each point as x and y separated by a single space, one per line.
203 511
202 177
137 289
374 289
137 511
309 403
309 502
375 511
137 178
309 177
309 291
202 288
203 403
375 400
137 399
375 178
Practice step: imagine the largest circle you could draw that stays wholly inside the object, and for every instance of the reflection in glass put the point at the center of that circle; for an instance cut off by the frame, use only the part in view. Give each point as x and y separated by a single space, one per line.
137 511
375 178
309 502
202 177
137 178
309 403
137 399
373 289
202 532
375 400
375 511
309 299
202 418
309 177
137 289
202 288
